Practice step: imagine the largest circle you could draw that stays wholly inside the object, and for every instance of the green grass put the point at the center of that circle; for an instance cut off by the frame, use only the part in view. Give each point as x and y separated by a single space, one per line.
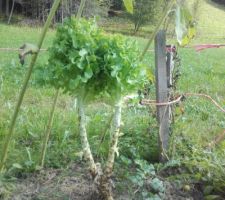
201 122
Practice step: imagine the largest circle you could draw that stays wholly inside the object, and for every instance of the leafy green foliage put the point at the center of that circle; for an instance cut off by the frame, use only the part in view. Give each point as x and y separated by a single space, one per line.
84 59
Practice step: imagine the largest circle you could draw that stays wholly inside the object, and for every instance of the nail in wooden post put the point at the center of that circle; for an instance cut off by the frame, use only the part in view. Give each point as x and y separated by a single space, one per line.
162 92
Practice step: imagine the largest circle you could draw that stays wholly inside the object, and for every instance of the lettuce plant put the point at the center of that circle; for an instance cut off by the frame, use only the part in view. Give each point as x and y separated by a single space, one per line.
91 65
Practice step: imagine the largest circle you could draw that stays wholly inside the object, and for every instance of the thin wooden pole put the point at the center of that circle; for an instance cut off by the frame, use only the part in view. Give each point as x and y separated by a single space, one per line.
48 130
25 84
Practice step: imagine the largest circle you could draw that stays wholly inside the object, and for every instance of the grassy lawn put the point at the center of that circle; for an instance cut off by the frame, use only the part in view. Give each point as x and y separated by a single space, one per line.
193 130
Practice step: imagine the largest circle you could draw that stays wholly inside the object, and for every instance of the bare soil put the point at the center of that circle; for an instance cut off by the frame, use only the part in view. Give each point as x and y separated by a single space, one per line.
75 183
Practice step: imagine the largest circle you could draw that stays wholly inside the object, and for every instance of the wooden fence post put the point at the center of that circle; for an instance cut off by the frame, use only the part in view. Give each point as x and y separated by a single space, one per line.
162 92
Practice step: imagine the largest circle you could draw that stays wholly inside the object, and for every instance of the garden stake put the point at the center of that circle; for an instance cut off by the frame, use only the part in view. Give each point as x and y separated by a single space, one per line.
48 130
24 87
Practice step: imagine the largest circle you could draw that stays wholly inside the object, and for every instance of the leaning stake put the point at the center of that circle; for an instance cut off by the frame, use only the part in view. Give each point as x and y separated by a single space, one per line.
24 87
48 130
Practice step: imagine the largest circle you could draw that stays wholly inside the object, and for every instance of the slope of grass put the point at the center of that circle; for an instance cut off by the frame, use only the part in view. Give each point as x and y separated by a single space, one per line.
211 26
201 122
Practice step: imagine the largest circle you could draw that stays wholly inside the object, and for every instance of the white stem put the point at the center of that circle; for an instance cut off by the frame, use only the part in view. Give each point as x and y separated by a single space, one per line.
84 140
115 129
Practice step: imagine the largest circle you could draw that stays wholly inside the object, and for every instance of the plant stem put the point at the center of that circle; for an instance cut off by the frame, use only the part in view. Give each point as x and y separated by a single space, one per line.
84 139
161 20
105 182
24 87
48 130
114 137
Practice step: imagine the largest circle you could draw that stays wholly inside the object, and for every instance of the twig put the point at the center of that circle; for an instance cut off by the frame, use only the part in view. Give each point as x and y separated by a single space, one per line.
207 97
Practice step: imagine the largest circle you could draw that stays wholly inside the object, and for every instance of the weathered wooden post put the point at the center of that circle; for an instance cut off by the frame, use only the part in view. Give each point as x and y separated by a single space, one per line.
162 92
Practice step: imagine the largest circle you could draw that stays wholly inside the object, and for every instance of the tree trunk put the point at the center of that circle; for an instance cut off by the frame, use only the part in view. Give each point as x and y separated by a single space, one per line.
1 8
84 140
105 185
11 13
7 8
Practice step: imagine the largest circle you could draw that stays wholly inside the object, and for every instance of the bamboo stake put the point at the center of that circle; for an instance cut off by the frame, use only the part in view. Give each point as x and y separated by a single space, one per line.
48 130
25 84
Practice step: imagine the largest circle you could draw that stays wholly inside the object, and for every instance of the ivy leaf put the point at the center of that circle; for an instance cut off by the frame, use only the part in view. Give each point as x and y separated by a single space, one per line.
185 29
129 6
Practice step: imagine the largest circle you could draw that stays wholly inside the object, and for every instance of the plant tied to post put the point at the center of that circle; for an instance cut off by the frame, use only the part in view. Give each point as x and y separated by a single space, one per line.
91 65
